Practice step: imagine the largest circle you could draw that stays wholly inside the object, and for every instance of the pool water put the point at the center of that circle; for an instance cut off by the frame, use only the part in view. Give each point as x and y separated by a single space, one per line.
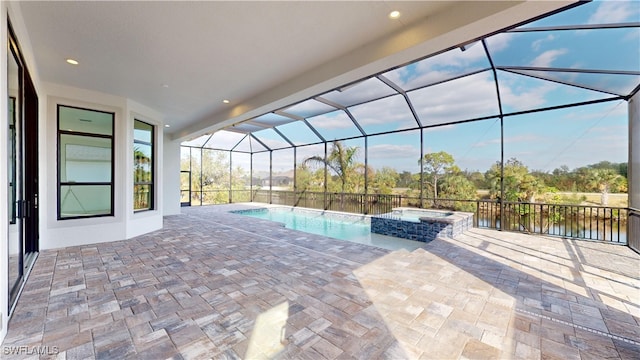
315 224
352 228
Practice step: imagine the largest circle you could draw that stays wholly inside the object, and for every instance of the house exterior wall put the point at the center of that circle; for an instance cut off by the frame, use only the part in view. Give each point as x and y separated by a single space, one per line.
171 176
60 233
125 223
142 222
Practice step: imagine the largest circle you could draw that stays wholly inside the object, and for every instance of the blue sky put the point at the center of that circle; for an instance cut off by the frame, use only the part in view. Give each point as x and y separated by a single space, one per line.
574 136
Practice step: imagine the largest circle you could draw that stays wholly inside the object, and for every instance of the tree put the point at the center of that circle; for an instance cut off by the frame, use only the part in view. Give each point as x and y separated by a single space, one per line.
341 160
602 179
141 174
210 180
477 178
215 170
384 180
623 169
561 178
519 185
142 165
435 165
303 178
455 185
405 179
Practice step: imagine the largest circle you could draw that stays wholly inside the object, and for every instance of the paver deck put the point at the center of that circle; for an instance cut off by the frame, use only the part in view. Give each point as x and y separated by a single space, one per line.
218 285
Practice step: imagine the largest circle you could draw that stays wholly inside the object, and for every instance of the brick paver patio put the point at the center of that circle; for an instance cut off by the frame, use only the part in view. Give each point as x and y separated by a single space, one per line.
219 285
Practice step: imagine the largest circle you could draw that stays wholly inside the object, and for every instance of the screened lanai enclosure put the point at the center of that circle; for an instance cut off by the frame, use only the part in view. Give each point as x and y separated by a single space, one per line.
527 128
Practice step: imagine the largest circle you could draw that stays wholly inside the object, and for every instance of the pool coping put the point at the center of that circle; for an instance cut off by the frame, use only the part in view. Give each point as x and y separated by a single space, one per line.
454 216
337 215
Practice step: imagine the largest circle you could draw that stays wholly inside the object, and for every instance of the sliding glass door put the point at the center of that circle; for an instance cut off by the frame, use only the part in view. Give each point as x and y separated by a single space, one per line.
14 170
22 169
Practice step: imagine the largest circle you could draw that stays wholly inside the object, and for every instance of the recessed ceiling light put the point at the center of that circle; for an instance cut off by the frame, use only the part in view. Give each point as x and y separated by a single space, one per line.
167 125
165 86
72 61
225 101
394 14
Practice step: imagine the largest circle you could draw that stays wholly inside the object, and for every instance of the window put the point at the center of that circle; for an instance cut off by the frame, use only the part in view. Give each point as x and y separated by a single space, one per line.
143 139
85 163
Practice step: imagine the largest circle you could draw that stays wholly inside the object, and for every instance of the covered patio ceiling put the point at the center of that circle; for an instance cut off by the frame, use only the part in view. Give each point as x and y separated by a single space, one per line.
584 55
183 58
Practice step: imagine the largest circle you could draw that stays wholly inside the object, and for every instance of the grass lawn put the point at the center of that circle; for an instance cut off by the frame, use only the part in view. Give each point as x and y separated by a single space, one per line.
615 200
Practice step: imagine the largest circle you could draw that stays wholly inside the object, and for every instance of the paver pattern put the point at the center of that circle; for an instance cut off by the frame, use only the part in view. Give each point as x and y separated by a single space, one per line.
214 285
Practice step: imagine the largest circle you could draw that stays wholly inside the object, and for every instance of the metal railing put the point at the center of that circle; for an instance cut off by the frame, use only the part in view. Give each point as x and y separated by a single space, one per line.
585 222
354 203
601 223
566 220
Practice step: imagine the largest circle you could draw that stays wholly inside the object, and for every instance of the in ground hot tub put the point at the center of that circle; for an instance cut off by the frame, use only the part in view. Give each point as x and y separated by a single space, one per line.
421 225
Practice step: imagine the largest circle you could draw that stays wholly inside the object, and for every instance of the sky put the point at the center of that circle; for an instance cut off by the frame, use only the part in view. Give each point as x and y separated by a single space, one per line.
574 137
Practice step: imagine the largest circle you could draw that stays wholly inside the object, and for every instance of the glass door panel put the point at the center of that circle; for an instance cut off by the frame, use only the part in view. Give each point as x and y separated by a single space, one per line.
14 170
22 171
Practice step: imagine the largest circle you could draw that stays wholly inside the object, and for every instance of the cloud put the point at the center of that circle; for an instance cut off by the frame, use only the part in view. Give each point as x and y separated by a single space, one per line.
307 108
465 98
270 138
333 120
632 36
525 98
446 65
274 144
523 93
282 160
364 90
391 113
399 157
499 42
241 160
615 12
390 151
546 58
304 152
224 140
538 43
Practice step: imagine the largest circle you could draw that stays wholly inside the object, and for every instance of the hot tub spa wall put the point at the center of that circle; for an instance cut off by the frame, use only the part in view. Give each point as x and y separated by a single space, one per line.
425 230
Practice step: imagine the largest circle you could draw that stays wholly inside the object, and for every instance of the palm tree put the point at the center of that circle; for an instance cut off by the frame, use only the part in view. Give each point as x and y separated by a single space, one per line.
142 174
602 179
341 160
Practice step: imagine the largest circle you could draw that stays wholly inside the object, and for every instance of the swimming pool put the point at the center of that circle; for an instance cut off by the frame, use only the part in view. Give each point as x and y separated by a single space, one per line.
349 227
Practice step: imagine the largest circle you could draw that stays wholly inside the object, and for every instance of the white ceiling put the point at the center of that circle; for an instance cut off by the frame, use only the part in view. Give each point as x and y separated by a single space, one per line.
260 55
